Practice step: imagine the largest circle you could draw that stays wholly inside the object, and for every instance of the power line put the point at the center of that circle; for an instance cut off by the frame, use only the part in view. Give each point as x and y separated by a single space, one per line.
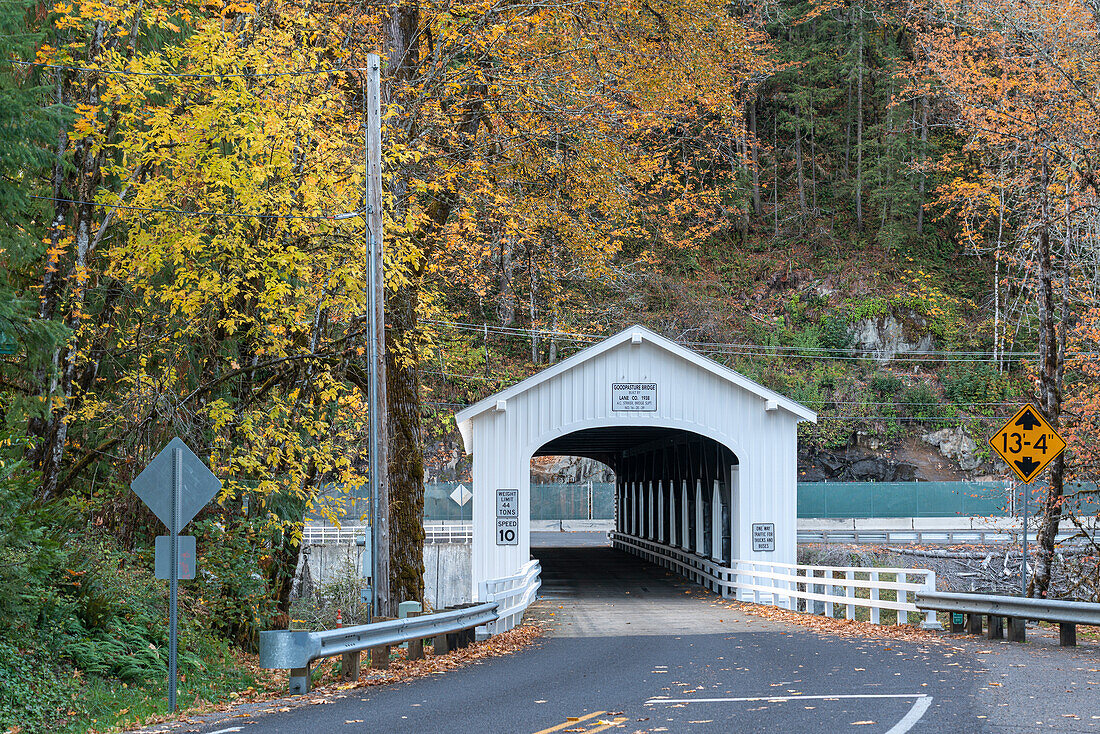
860 402
908 419
911 417
189 75
189 213
748 349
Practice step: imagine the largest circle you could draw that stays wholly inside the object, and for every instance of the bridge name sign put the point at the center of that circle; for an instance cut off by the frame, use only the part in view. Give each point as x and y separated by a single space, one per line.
634 396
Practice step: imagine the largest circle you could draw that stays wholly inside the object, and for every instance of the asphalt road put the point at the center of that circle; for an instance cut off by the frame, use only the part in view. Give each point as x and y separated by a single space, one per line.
631 648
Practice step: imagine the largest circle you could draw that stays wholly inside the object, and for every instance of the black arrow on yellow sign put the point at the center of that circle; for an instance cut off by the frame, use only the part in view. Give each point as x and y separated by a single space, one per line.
1027 443
1027 466
1028 421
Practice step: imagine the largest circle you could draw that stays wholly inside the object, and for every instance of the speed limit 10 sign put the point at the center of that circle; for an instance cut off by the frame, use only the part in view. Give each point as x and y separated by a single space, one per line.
507 517
1027 443
507 531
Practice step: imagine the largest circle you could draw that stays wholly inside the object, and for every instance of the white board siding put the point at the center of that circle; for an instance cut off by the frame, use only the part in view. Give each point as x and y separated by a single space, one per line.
690 397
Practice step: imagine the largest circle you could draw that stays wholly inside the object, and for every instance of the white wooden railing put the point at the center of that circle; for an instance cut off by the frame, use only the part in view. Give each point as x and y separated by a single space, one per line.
814 589
513 593
434 532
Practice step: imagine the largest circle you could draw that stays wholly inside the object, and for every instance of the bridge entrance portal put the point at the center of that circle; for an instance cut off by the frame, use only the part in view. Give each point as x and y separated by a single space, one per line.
704 458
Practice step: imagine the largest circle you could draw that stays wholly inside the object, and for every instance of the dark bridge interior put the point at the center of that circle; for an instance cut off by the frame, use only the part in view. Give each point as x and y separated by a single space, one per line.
684 454
671 486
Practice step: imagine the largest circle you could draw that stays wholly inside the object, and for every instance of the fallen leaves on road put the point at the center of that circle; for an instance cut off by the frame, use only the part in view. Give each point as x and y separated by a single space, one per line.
329 687
839 627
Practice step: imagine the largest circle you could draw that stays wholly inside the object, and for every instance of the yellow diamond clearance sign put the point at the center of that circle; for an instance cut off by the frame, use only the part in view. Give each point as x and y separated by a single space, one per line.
1027 443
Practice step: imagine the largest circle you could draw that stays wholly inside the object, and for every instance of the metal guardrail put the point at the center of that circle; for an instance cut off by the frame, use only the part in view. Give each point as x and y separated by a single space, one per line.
295 650
991 536
1016 609
793 586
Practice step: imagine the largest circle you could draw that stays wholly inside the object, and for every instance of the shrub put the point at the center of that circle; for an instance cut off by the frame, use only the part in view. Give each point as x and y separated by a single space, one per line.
834 333
885 385
974 382
921 401
119 625
230 582
33 698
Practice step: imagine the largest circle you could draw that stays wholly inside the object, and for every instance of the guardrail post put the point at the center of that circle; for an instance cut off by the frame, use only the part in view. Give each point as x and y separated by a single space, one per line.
1067 634
800 587
850 610
974 624
349 666
930 622
416 647
874 598
902 597
995 629
299 680
406 609
380 656
1017 629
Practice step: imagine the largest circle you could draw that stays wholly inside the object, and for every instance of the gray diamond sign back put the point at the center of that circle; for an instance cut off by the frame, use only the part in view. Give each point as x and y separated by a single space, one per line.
154 485
175 486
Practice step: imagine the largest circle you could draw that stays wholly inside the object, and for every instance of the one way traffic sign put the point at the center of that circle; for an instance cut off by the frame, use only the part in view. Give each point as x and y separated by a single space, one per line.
1027 443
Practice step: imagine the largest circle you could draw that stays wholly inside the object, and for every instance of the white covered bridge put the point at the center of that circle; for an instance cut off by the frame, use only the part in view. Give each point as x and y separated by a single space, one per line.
704 458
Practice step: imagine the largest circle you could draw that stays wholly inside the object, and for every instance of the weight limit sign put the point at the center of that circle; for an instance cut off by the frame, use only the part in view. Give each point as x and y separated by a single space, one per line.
507 517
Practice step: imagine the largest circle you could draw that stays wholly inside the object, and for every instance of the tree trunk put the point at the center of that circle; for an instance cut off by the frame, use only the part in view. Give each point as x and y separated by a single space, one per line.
533 314
506 309
1050 396
798 161
848 134
757 207
401 500
775 169
813 154
88 163
922 181
859 125
406 459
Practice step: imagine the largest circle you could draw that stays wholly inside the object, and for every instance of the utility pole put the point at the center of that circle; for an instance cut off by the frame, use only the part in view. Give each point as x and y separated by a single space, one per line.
376 317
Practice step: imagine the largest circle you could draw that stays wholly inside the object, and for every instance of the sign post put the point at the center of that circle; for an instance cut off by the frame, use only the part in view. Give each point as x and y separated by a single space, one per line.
175 486
1027 443
174 579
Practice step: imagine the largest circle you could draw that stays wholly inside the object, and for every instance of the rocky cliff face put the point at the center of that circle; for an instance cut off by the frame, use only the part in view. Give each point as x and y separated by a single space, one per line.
885 337
852 465
953 443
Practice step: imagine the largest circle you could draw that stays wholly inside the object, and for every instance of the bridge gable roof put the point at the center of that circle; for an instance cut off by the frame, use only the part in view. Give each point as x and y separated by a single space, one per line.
466 415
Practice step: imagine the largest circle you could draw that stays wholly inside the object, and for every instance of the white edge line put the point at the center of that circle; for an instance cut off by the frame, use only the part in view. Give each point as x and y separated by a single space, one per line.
751 699
919 707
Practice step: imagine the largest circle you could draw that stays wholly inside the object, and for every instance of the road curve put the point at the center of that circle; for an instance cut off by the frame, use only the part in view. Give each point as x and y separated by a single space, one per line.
629 647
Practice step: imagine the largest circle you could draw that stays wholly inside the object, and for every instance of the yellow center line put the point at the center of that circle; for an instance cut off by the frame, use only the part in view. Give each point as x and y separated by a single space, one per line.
572 722
614 722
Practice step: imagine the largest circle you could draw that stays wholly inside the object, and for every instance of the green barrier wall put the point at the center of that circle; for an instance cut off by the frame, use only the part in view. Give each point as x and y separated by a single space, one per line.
815 499
902 499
